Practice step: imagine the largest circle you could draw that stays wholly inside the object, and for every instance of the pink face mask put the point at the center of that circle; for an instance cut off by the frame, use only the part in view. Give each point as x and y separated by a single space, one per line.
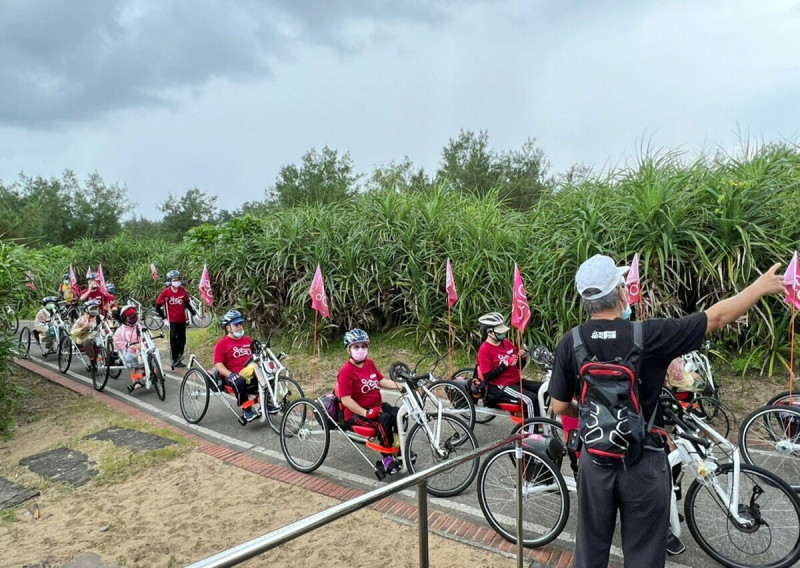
359 354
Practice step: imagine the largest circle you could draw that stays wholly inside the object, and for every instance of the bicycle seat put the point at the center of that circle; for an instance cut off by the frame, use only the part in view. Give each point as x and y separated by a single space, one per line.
511 407
366 431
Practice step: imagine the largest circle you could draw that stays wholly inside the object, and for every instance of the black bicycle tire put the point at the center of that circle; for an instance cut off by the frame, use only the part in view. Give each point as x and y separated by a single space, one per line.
276 419
182 395
320 419
436 385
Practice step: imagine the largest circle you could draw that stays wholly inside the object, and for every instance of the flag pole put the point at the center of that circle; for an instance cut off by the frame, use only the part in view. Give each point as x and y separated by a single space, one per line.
314 354
449 342
791 357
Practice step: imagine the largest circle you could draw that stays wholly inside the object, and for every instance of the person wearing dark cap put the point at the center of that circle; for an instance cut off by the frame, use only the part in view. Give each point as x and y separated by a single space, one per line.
639 488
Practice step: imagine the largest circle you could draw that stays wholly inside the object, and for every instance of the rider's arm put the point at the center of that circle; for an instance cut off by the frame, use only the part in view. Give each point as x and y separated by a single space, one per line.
726 311
390 384
353 406
223 370
563 408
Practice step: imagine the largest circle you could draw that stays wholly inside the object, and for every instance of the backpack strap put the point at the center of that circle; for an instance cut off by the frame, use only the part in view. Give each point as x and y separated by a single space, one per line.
579 347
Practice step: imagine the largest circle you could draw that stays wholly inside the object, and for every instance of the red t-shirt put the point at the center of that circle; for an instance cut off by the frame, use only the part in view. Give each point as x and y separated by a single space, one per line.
177 302
361 384
490 356
97 295
233 353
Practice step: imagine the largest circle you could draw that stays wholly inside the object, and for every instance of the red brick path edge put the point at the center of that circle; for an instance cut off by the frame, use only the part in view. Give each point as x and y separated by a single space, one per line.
442 524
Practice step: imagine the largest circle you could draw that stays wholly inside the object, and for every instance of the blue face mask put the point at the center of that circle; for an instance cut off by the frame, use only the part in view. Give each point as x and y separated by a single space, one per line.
626 313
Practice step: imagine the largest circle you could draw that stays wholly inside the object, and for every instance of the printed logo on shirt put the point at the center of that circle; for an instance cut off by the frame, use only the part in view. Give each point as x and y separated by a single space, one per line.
175 301
242 351
604 335
369 384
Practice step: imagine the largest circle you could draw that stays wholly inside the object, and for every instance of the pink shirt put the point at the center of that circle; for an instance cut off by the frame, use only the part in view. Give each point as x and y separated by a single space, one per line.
176 302
361 384
125 336
490 356
233 353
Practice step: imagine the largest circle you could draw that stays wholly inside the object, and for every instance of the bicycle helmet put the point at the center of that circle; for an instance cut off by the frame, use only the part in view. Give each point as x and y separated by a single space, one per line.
111 288
89 305
232 317
49 300
91 276
65 277
173 274
494 321
129 315
355 335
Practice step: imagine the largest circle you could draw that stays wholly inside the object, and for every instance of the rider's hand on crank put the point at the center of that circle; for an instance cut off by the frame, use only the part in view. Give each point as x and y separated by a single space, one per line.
373 413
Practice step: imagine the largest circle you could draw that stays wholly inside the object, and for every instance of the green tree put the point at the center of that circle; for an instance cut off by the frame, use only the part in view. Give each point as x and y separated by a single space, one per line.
322 177
401 177
194 208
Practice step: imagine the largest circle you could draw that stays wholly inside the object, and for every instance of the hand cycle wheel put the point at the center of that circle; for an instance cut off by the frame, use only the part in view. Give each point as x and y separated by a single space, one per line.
786 397
305 435
714 413
13 321
114 360
203 317
454 439
774 537
545 496
100 374
157 376
454 401
24 349
286 392
770 438
152 320
194 395
467 374
64 353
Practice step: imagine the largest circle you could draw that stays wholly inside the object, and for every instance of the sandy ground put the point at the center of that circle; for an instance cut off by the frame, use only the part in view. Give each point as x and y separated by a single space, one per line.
180 506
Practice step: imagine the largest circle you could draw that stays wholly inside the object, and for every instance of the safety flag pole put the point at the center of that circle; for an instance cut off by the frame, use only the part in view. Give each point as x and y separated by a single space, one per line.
791 284
319 303
634 285
206 294
452 298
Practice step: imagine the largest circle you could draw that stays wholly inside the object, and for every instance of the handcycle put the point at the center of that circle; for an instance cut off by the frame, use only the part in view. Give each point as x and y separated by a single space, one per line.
425 437
203 316
739 514
47 346
9 321
274 395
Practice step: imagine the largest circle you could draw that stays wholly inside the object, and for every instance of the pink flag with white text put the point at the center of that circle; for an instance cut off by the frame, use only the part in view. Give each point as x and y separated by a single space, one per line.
153 272
319 301
205 287
791 283
521 312
632 281
450 285
101 279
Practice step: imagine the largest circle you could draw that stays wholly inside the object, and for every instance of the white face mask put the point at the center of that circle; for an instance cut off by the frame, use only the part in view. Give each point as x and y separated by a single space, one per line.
237 334
176 284
359 354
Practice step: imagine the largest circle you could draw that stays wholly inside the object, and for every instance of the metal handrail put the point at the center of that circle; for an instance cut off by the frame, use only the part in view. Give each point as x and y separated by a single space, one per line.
264 543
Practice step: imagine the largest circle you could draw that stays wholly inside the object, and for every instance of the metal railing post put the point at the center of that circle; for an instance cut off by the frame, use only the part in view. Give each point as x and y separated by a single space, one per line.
422 520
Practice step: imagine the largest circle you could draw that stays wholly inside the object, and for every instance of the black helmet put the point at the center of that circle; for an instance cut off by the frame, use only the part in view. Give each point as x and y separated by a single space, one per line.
66 277
49 300
111 288
89 304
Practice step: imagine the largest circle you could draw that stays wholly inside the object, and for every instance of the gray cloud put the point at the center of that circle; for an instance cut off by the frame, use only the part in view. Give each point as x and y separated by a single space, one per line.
63 62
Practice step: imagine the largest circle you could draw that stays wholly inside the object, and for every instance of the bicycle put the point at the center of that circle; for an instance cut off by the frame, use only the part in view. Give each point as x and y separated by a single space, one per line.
770 438
424 438
739 514
275 394
9 321
203 315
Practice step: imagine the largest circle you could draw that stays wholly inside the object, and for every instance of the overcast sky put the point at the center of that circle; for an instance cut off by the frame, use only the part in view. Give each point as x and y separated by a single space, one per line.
163 96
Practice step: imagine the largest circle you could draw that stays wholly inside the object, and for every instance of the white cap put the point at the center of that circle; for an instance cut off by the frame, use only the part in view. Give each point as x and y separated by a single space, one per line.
600 273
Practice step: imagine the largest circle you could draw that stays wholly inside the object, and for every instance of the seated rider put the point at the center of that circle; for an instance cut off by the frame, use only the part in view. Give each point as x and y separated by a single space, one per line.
84 330
110 305
358 388
127 342
499 367
42 323
68 294
232 362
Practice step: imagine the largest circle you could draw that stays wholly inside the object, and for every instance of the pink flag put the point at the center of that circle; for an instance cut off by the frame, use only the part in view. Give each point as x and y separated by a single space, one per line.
521 310
319 301
153 272
73 281
88 272
205 287
30 281
632 281
101 280
791 282
450 285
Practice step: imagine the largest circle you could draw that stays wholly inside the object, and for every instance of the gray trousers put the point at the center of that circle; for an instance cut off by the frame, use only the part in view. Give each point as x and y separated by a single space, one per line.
641 494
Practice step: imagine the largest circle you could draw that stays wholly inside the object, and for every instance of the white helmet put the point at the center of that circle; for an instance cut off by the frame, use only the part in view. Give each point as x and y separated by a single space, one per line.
494 321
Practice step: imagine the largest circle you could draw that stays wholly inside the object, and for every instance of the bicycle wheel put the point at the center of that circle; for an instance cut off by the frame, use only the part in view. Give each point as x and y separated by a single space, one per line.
773 537
100 373
115 362
64 353
435 441
453 399
157 376
785 398
542 426
194 395
545 498
770 438
467 374
203 317
152 320
716 414
305 437
24 349
286 392
13 321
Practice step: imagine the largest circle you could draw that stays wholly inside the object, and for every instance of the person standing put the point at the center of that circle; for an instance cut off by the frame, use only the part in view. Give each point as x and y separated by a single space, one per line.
172 304
639 485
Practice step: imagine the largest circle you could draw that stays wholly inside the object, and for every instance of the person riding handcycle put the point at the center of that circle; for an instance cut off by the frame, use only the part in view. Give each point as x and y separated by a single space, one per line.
232 362
43 329
84 330
358 386
128 344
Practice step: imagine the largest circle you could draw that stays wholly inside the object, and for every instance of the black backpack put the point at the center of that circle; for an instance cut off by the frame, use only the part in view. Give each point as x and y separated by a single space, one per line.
610 419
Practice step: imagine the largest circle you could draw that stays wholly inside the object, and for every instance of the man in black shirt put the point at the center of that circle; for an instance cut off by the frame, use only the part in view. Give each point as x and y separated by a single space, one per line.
639 490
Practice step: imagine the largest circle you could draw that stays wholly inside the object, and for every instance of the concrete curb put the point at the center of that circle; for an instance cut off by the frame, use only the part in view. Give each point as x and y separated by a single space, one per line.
439 523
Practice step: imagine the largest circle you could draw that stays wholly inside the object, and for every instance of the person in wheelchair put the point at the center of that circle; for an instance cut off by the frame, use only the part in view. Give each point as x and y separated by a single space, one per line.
358 386
232 363
499 366
42 324
84 330
128 344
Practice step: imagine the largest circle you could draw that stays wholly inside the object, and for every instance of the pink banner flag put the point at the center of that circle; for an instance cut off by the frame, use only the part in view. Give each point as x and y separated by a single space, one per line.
791 283
319 301
101 279
153 272
521 310
632 281
88 272
205 287
73 281
450 285
30 280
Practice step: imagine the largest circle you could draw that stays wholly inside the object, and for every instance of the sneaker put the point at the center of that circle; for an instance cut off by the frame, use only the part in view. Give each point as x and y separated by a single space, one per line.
272 409
390 465
249 415
674 545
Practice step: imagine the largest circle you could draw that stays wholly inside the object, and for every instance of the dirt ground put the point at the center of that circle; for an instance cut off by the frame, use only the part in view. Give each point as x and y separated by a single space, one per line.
169 507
